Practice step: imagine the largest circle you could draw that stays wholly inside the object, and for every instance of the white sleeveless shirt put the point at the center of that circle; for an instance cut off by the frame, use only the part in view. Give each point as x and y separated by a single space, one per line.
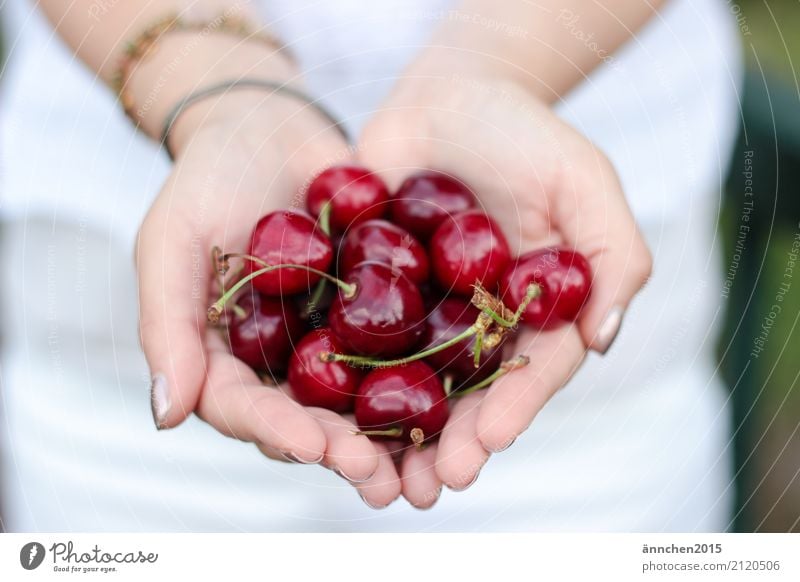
636 441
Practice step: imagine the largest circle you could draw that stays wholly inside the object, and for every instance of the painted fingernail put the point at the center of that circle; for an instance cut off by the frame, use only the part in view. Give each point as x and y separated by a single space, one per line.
608 330
344 475
467 486
290 456
504 446
160 402
429 500
371 505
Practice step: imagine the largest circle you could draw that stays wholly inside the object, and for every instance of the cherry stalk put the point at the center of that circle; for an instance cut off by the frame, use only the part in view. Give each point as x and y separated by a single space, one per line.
478 329
216 309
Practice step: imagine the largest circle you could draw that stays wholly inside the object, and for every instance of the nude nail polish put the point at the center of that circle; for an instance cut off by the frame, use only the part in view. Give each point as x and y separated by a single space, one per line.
160 402
608 330
295 459
370 505
344 476
468 485
504 446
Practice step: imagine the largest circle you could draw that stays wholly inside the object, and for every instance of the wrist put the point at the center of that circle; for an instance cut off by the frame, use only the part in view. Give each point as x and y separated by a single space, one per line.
184 62
253 120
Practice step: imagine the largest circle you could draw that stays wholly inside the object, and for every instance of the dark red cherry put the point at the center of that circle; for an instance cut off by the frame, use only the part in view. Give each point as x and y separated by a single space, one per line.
316 383
263 337
288 237
565 280
447 320
356 195
400 400
382 241
385 315
425 199
466 248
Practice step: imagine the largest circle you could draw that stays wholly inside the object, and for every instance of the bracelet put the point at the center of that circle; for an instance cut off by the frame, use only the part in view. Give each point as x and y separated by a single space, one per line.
143 47
274 86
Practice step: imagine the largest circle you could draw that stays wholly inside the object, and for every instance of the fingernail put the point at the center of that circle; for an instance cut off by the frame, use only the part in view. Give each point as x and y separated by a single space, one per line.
344 475
503 447
430 502
160 402
608 330
370 505
290 456
467 486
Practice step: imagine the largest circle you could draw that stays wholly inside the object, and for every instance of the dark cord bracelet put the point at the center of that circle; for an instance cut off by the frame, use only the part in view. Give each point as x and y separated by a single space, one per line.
273 86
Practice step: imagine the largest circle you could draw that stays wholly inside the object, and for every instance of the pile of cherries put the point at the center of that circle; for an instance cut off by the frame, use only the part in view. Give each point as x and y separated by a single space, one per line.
389 306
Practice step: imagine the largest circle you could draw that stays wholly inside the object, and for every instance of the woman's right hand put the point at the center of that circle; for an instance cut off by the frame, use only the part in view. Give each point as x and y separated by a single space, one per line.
237 160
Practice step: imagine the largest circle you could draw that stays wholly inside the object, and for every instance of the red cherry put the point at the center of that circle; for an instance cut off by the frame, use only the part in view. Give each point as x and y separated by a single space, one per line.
564 278
385 315
466 248
288 237
316 383
403 401
356 195
448 319
262 338
425 199
381 241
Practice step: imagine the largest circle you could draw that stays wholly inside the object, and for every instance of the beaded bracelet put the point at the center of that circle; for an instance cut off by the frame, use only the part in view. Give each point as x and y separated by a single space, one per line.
144 45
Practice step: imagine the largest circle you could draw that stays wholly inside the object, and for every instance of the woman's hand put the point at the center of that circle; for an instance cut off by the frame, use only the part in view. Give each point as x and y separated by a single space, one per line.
247 156
545 184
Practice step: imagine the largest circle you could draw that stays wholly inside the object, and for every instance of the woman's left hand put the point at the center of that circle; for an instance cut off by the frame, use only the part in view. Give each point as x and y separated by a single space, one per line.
545 184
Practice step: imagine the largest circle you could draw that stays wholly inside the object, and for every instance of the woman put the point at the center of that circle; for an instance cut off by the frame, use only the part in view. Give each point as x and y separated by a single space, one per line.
519 101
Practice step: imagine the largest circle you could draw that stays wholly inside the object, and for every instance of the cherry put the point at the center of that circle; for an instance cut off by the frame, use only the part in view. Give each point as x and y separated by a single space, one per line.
406 402
288 237
317 383
355 194
383 317
382 241
262 331
468 248
448 319
426 199
564 278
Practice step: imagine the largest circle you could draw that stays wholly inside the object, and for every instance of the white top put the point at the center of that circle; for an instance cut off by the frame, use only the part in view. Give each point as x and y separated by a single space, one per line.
637 440
660 110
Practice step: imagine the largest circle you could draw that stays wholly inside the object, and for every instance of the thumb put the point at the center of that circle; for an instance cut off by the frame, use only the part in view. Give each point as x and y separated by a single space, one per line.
173 288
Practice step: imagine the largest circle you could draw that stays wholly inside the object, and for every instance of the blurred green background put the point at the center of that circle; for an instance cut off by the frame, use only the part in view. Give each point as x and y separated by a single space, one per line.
764 263
763 272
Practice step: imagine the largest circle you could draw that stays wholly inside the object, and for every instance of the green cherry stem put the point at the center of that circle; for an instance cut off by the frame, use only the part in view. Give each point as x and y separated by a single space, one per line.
389 432
475 329
324 219
324 222
477 349
368 362
216 309
505 368
447 384
532 292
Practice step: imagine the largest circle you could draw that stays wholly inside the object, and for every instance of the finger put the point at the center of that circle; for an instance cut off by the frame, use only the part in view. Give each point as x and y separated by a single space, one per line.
594 218
420 484
235 403
274 454
172 313
461 453
513 401
351 456
384 487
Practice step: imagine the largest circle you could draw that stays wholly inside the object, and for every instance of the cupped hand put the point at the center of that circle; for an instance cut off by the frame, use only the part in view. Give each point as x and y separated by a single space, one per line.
247 156
545 184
